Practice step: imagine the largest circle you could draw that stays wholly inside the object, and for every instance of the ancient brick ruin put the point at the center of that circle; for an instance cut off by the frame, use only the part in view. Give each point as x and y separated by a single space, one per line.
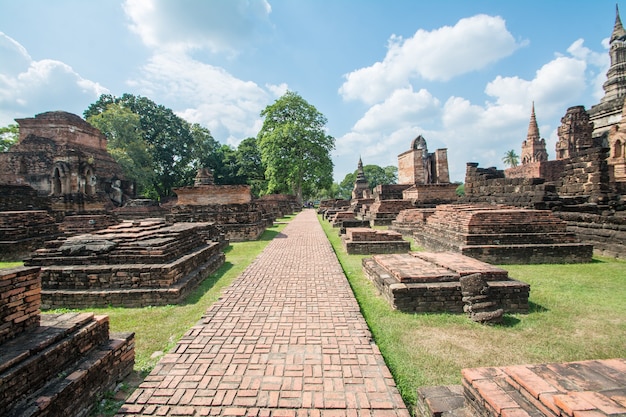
423 181
366 241
62 156
131 264
570 389
229 206
54 364
427 282
502 235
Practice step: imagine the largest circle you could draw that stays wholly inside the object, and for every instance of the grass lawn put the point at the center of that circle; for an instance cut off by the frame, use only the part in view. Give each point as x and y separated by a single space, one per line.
577 312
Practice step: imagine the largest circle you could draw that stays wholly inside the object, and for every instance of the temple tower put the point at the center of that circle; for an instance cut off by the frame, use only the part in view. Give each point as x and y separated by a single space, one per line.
417 166
609 111
575 133
534 147
361 185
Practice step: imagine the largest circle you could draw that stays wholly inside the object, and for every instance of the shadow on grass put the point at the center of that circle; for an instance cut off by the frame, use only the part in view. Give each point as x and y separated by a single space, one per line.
536 308
207 284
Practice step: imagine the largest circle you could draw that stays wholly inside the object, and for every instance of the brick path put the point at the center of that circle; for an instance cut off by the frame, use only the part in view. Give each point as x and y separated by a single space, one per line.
286 339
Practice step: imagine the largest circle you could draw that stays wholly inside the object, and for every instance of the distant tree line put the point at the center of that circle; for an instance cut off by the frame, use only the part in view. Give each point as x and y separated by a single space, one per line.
160 151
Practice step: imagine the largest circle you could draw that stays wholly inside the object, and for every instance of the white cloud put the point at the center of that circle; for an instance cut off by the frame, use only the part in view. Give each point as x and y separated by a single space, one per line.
402 107
473 132
217 25
477 41
29 87
205 94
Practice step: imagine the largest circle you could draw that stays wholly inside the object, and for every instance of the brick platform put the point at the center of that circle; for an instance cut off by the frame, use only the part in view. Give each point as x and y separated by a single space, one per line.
132 264
501 235
286 339
365 241
593 388
426 282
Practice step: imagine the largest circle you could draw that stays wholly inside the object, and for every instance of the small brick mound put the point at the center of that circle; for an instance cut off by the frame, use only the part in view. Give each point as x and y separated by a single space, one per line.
588 388
54 364
131 264
346 224
340 216
425 282
383 212
410 220
502 235
365 241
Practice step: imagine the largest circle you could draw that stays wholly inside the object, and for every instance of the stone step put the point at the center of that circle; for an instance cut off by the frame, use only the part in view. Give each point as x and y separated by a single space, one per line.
29 360
75 390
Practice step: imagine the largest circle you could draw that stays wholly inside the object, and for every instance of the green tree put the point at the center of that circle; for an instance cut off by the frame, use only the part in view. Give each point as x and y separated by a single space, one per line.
510 158
295 148
375 175
250 166
9 135
127 146
169 137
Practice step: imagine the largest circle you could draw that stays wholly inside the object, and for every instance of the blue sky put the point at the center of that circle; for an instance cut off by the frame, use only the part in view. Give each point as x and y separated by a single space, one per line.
462 73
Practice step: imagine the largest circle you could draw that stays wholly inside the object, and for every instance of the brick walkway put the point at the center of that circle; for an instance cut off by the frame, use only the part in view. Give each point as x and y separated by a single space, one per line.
286 339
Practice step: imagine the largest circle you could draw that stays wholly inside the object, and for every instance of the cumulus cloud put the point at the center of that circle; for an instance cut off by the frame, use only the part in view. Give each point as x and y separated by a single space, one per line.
28 87
477 41
218 25
205 94
471 131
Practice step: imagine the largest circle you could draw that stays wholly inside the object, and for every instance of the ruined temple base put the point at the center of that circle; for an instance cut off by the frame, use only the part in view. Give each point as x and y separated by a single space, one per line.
593 388
383 212
425 282
366 241
502 235
131 264
133 297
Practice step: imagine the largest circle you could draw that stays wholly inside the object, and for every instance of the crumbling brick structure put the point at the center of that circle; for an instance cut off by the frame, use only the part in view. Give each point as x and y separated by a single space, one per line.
131 264
502 235
230 207
54 364
427 282
62 156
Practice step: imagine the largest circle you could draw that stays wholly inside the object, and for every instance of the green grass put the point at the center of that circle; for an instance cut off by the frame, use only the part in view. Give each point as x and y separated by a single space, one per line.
578 312
158 329
11 264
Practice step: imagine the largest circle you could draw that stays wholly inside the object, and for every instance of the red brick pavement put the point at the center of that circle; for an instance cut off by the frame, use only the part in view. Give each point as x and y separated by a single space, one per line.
287 339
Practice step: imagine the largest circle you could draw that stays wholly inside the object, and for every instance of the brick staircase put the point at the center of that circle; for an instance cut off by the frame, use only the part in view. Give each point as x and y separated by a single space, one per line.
592 388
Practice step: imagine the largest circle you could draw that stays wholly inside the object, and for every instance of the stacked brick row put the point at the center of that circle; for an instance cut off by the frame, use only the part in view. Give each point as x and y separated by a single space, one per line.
54 364
21 232
20 298
383 212
607 234
410 220
490 185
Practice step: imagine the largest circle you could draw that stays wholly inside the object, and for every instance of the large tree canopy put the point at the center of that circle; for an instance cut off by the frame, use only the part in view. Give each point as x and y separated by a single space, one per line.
295 148
127 146
174 144
375 175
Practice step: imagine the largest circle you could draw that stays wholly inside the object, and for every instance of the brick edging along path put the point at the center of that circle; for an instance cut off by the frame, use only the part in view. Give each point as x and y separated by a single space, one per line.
287 338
